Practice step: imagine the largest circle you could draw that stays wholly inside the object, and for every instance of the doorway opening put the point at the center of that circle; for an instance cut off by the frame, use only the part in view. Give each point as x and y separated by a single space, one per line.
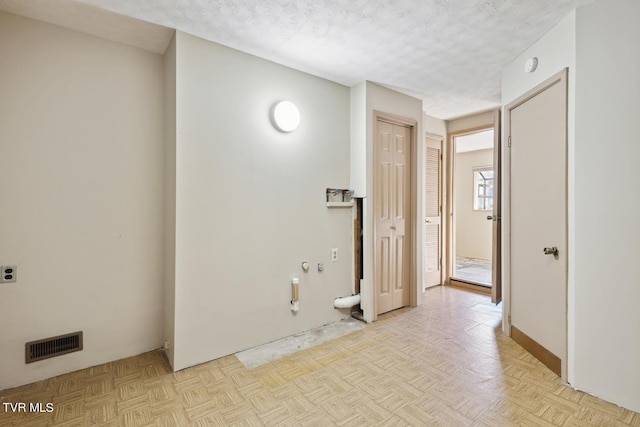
473 204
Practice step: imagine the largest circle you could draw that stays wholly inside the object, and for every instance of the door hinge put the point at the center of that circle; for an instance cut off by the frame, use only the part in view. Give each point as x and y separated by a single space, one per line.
509 141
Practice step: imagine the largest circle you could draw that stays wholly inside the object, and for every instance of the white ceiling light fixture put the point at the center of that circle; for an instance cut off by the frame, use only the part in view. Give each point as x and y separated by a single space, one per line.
285 116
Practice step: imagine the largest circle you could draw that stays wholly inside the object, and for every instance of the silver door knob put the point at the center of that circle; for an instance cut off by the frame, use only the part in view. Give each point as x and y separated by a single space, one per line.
551 251
490 217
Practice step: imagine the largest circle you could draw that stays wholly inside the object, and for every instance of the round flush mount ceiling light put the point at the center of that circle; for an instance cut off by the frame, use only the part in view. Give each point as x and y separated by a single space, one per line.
285 116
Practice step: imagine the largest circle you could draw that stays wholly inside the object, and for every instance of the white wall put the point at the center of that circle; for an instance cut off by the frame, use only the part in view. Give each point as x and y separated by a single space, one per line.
250 202
607 202
597 43
434 125
81 170
169 232
473 230
358 141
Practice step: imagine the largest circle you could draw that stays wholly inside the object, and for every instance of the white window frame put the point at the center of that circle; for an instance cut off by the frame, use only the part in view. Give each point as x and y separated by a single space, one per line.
482 200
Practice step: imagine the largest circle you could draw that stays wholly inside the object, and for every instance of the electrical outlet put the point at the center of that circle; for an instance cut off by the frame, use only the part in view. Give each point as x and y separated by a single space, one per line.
334 254
9 274
166 344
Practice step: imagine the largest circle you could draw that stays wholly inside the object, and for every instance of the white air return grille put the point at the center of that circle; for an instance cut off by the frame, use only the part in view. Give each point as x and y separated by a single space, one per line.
52 347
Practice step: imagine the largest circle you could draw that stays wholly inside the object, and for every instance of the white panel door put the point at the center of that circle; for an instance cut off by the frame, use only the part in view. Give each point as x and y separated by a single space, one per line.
432 213
538 129
391 267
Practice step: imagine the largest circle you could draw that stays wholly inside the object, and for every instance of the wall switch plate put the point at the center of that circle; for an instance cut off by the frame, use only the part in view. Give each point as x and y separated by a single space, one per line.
320 267
334 254
9 274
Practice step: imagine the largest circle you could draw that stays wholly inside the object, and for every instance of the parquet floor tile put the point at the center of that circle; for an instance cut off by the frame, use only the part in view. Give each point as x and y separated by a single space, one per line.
445 363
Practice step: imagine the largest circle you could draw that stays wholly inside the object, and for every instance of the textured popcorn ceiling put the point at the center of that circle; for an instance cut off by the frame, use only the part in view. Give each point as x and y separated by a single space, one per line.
447 52
91 20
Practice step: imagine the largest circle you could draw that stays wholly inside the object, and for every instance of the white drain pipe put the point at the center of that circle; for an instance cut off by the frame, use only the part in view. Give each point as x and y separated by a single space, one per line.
346 302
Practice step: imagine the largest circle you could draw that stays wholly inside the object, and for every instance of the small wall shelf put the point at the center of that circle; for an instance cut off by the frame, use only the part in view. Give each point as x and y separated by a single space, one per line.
339 198
340 204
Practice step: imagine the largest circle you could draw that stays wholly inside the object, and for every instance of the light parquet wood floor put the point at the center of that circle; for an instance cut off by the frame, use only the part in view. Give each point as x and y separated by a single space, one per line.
445 363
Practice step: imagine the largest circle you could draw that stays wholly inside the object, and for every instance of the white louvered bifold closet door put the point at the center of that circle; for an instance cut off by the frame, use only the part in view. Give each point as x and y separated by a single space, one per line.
432 212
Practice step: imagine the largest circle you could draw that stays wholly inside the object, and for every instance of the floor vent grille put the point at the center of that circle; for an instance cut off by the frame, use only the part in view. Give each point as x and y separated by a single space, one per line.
52 347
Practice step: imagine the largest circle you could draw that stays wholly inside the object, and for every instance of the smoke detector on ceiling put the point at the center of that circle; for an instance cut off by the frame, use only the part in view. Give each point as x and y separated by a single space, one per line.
530 65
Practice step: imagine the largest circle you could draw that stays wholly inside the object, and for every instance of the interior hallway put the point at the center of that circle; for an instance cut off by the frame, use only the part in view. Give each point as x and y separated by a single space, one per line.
443 363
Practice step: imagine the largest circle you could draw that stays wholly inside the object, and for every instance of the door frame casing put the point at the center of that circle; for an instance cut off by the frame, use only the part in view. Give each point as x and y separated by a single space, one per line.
562 77
450 226
496 232
413 206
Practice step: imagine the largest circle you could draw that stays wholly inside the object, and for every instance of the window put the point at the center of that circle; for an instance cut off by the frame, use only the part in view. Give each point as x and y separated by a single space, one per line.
483 189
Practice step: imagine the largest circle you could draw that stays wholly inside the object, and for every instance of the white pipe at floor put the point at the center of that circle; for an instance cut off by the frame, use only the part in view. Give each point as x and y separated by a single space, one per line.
346 302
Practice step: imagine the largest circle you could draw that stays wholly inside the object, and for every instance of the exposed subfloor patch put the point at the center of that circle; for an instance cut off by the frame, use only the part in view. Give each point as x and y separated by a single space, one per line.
275 350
